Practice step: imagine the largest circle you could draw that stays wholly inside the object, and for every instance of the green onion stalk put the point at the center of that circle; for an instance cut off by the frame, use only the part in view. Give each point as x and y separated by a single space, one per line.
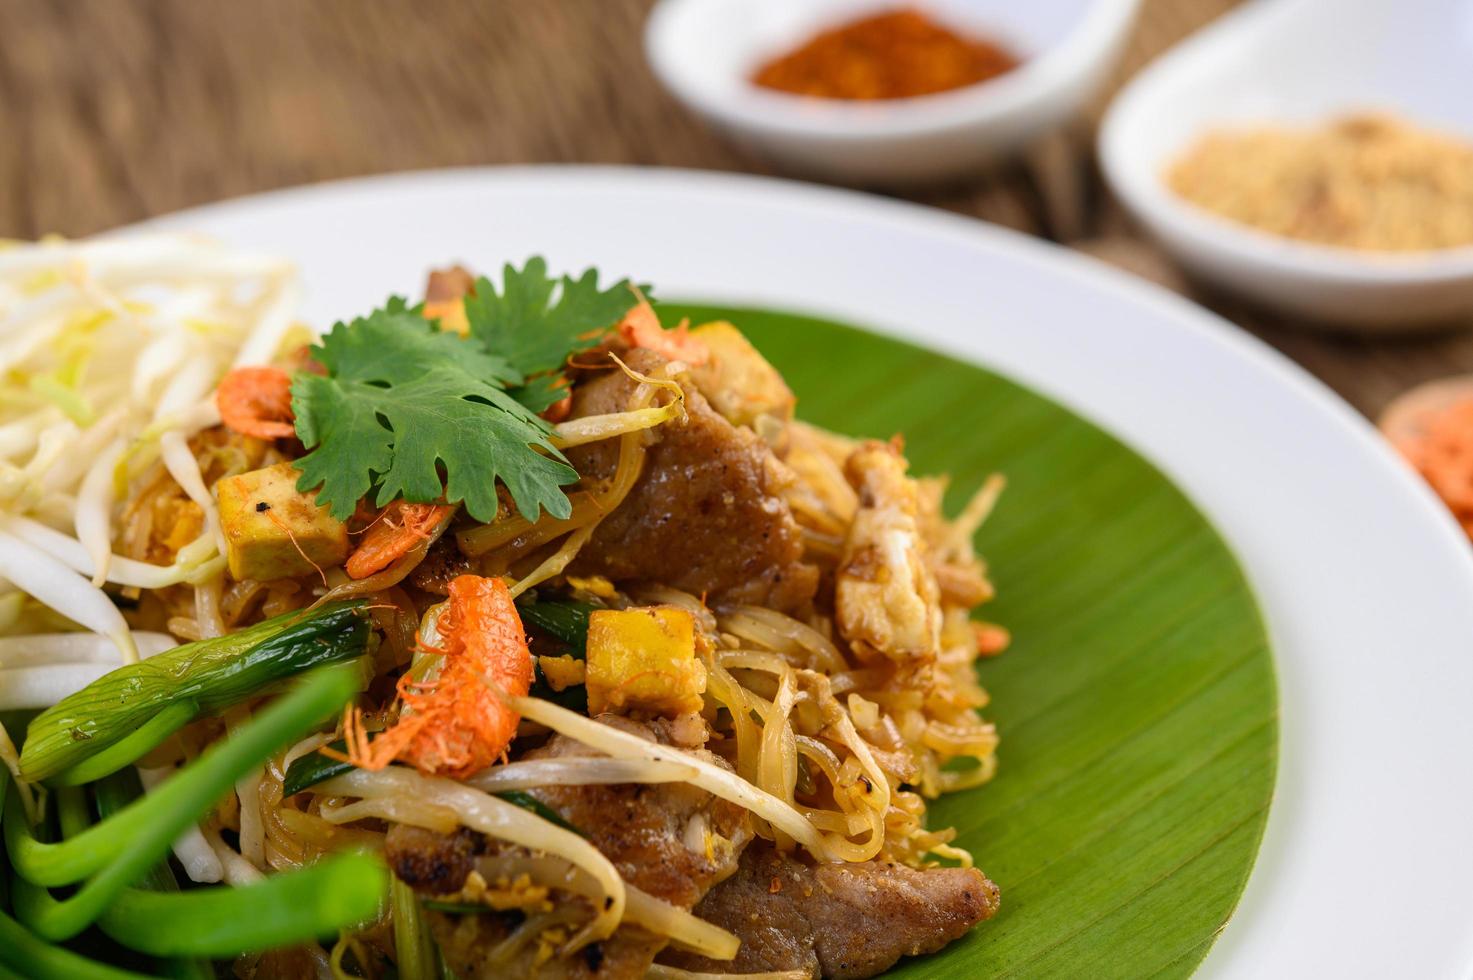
565 620
26 956
416 956
124 714
113 794
109 856
340 891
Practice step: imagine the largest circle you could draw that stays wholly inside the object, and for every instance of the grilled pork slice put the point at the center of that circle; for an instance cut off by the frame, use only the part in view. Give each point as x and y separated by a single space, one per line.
465 941
707 514
672 840
843 921
442 564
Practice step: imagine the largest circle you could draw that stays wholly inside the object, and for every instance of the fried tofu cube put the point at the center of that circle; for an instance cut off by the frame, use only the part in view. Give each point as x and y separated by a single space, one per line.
273 530
737 380
644 659
451 314
445 298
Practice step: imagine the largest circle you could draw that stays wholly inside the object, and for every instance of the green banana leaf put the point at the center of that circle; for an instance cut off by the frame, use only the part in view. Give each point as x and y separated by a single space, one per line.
1137 706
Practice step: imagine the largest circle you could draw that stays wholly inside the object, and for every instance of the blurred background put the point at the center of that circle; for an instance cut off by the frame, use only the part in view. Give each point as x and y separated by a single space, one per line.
115 111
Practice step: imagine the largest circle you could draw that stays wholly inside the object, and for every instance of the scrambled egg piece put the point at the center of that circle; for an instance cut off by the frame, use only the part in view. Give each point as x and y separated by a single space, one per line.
737 380
504 894
562 672
886 596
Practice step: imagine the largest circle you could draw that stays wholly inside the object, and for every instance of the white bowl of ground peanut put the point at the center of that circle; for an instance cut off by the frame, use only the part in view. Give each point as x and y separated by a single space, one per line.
1312 156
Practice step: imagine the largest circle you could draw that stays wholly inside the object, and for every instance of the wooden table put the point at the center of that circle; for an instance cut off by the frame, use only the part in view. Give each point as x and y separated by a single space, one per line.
114 110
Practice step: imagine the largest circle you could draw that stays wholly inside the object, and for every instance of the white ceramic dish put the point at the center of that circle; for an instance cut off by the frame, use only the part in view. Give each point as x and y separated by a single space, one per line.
705 51
1299 62
1364 580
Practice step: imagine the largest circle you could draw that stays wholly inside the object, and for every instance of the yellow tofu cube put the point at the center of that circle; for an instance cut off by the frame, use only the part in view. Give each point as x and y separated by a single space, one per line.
450 313
272 530
737 380
644 659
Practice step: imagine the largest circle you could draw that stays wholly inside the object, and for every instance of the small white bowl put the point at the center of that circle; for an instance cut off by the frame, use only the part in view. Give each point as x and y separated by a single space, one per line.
1299 62
705 52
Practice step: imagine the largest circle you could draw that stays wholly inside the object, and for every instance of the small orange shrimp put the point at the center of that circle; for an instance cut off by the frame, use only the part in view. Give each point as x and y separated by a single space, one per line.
399 527
641 328
455 725
1432 426
257 402
559 410
991 639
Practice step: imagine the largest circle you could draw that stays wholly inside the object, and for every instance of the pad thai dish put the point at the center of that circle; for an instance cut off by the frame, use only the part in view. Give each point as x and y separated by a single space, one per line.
511 633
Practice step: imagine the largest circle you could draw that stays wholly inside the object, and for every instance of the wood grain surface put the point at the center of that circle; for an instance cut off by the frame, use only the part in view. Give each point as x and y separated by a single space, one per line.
115 110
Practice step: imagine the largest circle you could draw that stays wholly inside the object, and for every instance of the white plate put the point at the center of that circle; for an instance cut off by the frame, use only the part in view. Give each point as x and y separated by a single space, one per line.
1366 583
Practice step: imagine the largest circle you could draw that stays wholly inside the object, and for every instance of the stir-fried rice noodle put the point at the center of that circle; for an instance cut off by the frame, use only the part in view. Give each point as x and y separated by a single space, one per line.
829 749
427 801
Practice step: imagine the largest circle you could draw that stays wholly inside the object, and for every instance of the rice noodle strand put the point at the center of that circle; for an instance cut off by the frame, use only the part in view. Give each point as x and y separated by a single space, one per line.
713 779
497 818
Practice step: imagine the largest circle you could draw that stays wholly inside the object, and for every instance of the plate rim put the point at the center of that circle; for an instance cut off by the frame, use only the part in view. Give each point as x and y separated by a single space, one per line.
1259 940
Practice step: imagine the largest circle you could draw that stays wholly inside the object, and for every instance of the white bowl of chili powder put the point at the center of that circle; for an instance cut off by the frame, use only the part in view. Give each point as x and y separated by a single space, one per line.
865 92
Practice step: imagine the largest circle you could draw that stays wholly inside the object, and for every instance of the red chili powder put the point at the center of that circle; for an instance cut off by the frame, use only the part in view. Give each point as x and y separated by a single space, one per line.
891 55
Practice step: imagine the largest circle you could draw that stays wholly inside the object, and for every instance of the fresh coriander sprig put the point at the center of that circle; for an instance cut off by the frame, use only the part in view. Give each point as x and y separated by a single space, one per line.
408 410
533 331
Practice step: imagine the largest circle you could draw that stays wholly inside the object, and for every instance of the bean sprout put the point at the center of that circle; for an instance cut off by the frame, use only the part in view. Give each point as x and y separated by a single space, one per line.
94 511
110 351
194 852
62 589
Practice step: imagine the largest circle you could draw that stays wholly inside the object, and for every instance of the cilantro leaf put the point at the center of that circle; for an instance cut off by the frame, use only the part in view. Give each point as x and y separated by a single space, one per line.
534 333
540 393
396 344
410 411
